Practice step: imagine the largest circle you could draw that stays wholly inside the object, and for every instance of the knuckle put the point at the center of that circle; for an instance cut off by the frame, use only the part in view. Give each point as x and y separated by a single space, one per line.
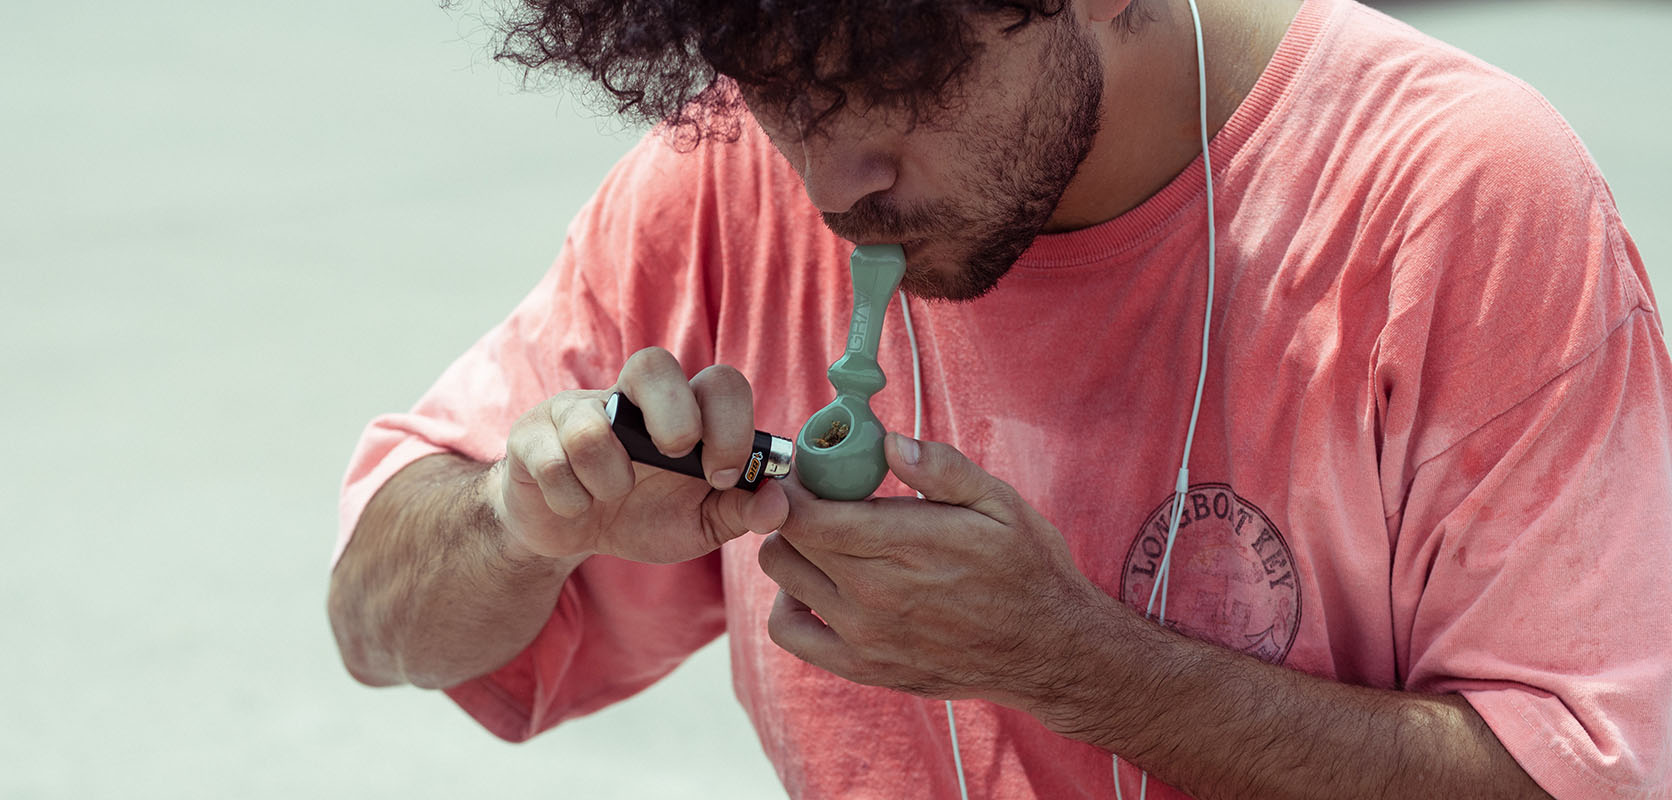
725 401
524 433
1002 490
719 517
519 447
777 560
569 505
566 498
715 532
995 494
682 441
562 493
529 419
552 411
567 399
551 472
794 527
590 439
651 361
723 377
770 555
650 373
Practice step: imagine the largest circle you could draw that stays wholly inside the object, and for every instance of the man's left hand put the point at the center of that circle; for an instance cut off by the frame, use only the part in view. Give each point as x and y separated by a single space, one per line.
968 592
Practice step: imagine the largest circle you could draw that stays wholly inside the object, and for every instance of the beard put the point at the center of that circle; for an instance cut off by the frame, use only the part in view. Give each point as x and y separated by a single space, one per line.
1018 169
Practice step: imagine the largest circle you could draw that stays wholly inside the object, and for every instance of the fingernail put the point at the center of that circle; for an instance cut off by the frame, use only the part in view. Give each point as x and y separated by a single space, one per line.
909 451
725 478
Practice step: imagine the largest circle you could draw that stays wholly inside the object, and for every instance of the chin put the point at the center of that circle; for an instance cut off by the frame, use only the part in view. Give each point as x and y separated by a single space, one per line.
942 270
925 266
917 251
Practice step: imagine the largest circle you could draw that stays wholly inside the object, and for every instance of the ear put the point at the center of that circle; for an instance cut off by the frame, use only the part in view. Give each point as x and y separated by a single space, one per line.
1106 10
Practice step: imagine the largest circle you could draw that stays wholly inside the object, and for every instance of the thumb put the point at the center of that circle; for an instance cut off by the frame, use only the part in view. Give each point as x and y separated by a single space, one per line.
942 474
738 511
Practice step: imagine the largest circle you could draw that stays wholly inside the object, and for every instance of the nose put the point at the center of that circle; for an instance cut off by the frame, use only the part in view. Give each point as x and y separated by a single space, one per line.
839 173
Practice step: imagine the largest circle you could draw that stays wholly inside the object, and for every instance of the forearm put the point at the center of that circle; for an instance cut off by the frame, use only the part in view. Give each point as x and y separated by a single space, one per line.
429 591
1219 724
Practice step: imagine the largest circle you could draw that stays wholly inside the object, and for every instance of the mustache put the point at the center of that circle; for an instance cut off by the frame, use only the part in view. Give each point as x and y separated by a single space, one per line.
880 218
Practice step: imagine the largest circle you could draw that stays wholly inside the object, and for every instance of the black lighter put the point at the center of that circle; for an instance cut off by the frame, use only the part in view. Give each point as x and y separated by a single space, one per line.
769 458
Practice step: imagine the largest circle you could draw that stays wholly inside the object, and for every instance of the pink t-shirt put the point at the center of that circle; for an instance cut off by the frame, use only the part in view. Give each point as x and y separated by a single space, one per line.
1433 454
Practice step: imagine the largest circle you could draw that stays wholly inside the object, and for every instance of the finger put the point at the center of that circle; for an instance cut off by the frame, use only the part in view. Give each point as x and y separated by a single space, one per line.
537 457
654 381
597 458
942 474
852 528
793 627
763 510
794 574
734 512
727 406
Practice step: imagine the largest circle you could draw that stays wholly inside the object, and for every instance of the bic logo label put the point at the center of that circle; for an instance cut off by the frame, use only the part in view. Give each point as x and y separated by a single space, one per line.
754 469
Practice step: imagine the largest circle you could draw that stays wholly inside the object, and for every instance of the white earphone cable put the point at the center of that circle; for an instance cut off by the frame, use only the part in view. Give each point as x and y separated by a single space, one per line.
1182 486
916 372
917 433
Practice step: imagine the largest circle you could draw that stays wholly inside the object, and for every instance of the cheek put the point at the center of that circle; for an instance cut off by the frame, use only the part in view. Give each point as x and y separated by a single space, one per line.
968 169
934 166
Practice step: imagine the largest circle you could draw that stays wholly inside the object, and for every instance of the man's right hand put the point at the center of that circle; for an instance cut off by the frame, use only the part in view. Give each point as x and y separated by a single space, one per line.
566 488
455 567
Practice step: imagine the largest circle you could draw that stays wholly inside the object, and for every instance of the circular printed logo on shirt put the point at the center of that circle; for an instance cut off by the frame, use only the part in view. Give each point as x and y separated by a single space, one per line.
1232 578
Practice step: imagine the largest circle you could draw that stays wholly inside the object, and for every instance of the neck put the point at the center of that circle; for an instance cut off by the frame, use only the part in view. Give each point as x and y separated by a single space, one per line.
1151 129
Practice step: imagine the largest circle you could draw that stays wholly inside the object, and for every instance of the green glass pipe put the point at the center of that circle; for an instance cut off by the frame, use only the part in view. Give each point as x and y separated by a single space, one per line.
838 454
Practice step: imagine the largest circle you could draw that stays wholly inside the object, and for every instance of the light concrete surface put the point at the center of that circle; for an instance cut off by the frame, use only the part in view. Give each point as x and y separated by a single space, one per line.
230 234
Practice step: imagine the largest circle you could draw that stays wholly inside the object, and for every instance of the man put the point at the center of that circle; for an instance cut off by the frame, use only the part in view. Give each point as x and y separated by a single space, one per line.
1430 493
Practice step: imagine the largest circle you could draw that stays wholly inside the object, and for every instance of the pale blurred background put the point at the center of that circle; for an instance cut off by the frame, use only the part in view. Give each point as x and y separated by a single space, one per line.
230 233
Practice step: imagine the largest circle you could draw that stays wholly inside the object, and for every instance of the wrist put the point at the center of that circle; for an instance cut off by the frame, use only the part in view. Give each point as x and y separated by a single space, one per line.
1102 675
488 494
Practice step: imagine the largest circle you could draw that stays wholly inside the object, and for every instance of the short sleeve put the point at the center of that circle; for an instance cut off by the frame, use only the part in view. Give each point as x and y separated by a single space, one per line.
555 339
1533 565
1525 404
629 276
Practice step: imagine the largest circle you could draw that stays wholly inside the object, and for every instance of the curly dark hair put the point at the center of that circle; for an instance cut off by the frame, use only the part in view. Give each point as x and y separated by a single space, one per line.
680 62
